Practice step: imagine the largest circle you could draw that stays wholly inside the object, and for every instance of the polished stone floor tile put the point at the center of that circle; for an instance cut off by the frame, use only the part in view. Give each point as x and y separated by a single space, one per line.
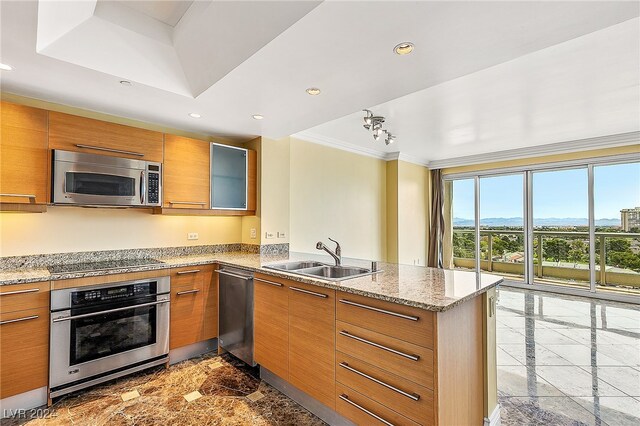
533 354
523 381
626 379
544 411
581 355
574 381
614 411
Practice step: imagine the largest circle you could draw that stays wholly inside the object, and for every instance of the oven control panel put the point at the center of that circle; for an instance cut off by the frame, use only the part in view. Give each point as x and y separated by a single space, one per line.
112 294
153 184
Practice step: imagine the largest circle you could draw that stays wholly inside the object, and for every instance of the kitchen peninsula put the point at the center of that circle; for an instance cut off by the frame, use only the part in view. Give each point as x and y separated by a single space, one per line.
405 345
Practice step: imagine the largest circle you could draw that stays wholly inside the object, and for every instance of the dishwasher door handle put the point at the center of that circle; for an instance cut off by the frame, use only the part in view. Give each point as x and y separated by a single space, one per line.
242 277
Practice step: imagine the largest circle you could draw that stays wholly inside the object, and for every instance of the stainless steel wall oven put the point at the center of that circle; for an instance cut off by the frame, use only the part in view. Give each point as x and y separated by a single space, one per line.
106 331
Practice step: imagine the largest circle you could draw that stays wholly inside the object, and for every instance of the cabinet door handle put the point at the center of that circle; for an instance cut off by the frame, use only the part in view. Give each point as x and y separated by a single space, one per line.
379 346
32 317
346 399
268 282
413 396
198 203
31 290
382 311
312 293
180 293
31 197
101 148
190 271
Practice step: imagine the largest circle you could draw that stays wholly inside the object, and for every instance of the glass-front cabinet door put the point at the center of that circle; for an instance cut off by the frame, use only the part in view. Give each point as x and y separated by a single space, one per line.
228 177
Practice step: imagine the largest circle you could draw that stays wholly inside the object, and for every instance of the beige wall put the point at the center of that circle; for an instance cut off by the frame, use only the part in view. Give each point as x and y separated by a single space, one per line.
392 211
253 222
275 186
68 229
414 189
337 194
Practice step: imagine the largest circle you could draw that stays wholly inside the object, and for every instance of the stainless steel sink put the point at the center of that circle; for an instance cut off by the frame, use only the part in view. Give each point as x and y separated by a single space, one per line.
336 272
320 270
292 266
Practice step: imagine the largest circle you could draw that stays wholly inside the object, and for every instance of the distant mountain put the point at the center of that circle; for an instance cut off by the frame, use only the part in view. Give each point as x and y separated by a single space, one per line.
547 221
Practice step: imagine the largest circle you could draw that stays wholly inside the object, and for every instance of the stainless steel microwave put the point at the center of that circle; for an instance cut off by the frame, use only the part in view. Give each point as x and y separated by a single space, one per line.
101 180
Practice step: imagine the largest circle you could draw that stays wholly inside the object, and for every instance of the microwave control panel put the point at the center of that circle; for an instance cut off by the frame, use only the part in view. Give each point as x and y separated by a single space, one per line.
153 184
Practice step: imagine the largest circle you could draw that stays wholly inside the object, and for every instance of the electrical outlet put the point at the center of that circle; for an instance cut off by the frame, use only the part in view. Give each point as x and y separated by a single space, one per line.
192 236
253 234
282 235
268 235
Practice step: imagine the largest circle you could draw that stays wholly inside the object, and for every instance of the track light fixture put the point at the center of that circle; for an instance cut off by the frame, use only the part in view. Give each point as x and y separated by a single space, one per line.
374 123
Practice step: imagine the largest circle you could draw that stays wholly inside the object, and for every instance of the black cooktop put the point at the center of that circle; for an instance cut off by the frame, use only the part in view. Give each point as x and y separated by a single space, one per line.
70 268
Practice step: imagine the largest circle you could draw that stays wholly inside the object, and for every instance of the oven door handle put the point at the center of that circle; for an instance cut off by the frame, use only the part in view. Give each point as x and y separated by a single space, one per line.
108 311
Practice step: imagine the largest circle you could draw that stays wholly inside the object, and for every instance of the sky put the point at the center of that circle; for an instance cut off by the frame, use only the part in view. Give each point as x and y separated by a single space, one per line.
558 194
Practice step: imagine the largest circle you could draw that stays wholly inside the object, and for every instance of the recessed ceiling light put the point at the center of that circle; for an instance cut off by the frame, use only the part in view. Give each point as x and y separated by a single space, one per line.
125 82
313 91
194 115
404 48
257 117
5 67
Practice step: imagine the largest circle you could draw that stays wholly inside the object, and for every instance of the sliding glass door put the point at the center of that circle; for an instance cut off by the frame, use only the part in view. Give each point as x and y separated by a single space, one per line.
573 226
560 201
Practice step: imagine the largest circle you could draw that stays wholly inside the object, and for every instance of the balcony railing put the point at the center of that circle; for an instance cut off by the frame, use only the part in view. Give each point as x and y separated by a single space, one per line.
557 271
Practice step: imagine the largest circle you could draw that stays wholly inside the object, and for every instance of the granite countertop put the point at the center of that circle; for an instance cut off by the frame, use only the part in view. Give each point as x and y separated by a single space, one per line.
427 288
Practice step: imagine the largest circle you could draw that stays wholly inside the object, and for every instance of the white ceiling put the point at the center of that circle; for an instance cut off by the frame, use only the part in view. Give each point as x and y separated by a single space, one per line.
230 60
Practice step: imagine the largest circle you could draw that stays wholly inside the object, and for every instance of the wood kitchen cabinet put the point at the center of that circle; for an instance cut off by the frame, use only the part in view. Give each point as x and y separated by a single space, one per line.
194 308
271 324
186 173
24 164
24 338
294 334
74 133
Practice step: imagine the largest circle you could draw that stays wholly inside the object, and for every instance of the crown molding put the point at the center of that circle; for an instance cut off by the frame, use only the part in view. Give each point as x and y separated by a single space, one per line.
609 141
356 149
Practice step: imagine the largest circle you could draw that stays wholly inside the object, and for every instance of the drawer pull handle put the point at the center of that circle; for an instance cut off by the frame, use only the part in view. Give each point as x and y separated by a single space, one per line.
190 271
346 399
413 396
31 197
118 151
180 293
382 311
379 346
312 293
31 290
268 282
19 319
197 203
242 277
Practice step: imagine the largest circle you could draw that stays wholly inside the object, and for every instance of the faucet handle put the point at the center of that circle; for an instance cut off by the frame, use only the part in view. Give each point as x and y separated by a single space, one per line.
338 249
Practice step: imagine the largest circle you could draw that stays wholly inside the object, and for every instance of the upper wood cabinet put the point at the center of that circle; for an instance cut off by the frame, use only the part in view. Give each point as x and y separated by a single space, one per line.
186 173
24 165
74 133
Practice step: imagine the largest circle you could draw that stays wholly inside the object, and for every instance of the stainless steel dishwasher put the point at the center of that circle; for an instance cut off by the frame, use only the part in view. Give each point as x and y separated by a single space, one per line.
235 310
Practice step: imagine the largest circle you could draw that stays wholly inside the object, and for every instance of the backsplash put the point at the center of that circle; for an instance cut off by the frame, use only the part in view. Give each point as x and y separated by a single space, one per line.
43 260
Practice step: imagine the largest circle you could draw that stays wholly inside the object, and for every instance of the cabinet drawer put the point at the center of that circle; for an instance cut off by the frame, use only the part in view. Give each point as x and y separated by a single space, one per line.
24 351
67 131
187 304
405 359
405 397
363 411
191 275
271 325
402 322
24 296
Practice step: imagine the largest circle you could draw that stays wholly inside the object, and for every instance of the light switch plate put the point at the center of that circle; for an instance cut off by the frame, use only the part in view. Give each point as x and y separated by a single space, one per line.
268 235
282 235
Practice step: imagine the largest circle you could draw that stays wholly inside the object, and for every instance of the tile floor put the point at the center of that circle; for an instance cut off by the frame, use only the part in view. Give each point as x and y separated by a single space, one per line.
566 360
561 361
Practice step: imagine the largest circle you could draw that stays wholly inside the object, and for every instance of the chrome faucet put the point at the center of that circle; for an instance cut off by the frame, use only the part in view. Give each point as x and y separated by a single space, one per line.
337 255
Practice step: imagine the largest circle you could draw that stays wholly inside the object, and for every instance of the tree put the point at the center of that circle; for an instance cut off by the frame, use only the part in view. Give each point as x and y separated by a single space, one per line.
578 252
555 249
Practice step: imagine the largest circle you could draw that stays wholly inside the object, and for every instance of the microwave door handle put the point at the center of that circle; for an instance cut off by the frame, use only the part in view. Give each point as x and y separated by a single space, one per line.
143 188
